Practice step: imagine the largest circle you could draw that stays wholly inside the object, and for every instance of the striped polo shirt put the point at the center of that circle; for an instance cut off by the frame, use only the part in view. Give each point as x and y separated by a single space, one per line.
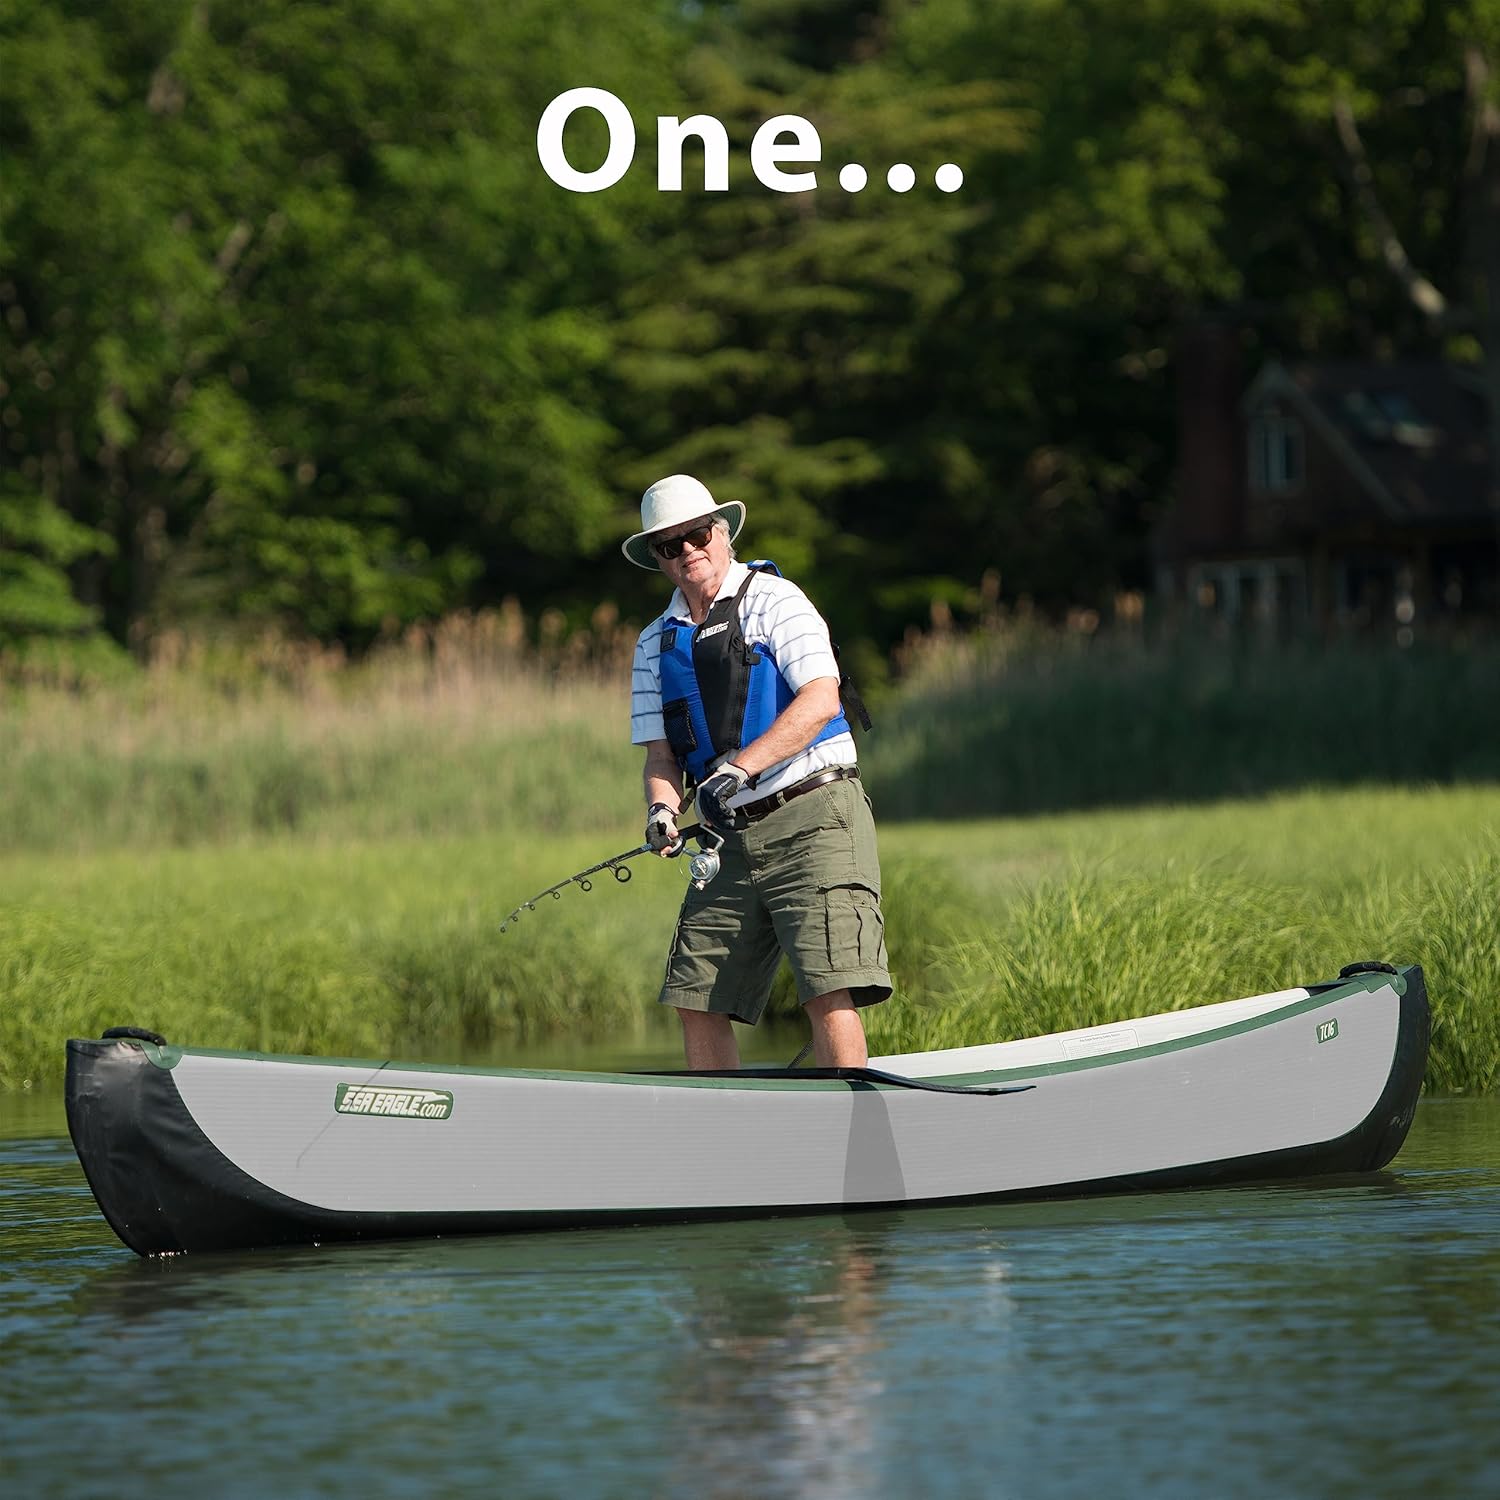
775 614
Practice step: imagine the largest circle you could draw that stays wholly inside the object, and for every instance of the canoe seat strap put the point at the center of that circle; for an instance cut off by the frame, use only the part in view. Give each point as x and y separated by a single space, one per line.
848 1075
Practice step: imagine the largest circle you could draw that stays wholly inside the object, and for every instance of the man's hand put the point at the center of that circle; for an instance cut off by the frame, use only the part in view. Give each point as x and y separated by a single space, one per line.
715 794
661 830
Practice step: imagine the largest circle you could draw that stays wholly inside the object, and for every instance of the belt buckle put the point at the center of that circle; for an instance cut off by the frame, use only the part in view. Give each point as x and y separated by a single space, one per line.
763 807
753 811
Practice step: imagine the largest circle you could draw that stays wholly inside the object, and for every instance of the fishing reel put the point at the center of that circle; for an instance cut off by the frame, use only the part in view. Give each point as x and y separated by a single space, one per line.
705 864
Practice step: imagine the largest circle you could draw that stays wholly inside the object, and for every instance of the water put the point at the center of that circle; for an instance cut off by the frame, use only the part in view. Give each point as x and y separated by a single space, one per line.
1331 1340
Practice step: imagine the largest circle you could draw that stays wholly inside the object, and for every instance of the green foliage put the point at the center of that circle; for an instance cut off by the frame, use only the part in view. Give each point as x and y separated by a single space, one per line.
472 728
46 634
1449 918
1101 946
1006 723
802 377
37 542
407 744
1094 947
296 328
295 324
391 947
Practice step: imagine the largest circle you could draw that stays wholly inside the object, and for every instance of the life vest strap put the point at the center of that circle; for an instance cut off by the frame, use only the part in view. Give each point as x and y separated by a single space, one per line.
849 695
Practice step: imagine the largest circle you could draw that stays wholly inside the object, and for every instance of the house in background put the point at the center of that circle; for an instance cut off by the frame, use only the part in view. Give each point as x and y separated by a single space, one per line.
1339 494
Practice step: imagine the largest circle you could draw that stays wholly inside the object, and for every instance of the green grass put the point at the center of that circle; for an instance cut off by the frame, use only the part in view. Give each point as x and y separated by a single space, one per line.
1081 950
267 847
1071 920
1001 928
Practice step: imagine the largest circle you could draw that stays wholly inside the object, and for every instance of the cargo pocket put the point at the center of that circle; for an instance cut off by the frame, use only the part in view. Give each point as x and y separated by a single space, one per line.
856 929
678 718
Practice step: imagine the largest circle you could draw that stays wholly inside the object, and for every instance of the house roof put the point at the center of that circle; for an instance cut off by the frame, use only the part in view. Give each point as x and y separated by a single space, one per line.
1412 433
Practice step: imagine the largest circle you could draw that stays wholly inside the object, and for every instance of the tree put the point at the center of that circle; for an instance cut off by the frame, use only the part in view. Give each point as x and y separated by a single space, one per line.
295 320
778 347
1436 71
37 543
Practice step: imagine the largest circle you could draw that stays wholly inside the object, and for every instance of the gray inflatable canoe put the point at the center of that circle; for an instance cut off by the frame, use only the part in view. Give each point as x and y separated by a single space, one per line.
188 1149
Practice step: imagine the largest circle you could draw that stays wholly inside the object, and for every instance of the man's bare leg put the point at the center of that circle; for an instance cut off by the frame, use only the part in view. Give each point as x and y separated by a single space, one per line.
708 1040
838 1032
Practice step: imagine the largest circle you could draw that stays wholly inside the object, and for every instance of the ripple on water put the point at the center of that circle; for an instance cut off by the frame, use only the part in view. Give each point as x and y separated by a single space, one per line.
1312 1340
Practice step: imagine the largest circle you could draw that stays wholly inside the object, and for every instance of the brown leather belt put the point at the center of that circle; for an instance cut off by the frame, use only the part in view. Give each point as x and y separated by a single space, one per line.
753 812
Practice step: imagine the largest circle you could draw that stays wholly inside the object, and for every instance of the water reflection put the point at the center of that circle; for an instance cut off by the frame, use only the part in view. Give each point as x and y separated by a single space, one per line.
756 1348
779 1375
1318 1339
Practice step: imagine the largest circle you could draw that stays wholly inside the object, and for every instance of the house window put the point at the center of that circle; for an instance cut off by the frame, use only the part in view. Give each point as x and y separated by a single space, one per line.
1276 457
1271 593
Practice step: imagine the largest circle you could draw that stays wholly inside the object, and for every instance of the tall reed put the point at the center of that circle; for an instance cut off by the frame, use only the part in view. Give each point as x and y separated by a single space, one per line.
488 721
467 724
1016 720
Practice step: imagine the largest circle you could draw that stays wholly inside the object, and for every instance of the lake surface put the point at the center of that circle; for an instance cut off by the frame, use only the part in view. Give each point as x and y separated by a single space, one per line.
1341 1339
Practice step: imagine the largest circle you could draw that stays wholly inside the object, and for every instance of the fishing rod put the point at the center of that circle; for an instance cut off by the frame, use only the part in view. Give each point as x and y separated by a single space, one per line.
702 867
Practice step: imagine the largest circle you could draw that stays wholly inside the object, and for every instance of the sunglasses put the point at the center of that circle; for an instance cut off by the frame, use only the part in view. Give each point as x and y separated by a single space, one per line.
697 537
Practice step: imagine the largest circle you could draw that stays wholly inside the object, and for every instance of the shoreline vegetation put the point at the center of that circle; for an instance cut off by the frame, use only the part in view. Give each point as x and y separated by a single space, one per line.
490 721
264 846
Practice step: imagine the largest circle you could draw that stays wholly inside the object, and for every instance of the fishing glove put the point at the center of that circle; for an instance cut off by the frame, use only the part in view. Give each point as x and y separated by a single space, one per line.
715 795
661 828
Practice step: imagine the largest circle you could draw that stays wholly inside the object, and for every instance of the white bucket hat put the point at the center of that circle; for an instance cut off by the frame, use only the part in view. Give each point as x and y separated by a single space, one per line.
674 501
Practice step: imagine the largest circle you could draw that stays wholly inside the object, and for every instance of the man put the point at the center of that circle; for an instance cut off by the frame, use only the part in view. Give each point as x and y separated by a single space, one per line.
735 690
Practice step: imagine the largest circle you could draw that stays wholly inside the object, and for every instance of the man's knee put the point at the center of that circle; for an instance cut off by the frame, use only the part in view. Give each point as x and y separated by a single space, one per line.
825 1005
702 1021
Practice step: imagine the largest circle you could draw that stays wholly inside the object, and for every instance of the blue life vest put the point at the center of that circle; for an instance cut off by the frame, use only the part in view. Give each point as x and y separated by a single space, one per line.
717 692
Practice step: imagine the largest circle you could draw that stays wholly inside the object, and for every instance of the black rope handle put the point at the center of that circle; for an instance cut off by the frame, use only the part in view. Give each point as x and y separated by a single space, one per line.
848 1075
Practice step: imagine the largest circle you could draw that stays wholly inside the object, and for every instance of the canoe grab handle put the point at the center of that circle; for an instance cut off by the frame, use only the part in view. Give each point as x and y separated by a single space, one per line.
848 1075
900 1081
1366 966
134 1034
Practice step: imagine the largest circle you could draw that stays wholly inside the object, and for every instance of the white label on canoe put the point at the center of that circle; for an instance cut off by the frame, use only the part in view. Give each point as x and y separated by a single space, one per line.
1096 1046
388 1099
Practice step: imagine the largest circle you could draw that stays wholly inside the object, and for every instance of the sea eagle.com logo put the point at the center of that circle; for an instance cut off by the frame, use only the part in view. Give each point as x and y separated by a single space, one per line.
386 1099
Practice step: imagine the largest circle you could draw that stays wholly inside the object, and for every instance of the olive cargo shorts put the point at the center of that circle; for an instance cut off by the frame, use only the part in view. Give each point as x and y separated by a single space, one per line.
804 881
